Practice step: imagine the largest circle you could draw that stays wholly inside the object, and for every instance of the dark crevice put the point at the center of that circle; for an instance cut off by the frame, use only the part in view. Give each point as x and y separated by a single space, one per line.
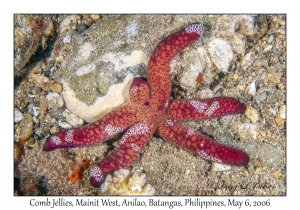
39 55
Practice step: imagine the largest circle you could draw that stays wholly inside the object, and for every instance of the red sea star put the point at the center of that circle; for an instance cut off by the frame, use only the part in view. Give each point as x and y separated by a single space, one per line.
150 111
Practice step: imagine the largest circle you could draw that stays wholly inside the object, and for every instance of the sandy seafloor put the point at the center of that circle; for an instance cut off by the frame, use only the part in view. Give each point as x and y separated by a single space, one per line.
256 75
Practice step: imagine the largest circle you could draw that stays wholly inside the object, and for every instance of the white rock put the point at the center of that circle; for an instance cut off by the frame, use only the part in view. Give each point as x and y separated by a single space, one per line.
54 100
117 95
221 54
18 116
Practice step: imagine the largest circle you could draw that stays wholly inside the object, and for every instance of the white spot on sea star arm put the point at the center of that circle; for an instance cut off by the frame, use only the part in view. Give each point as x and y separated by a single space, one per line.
96 173
197 28
56 140
137 129
169 122
133 90
111 130
213 107
69 136
204 155
135 147
190 131
198 105
167 103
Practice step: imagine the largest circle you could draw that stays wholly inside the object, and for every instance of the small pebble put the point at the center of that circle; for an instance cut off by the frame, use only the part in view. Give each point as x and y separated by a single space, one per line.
35 120
74 120
43 104
57 113
95 17
66 113
277 174
26 127
252 114
281 111
48 118
247 60
245 173
59 59
240 87
237 42
66 39
42 117
35 111
54 100
257 170
261 96
64 125
251 88
269 47
56 87
279 121
235 76
206 93
32 142
271 38
54 129
187 172
246 25
41 81
18 116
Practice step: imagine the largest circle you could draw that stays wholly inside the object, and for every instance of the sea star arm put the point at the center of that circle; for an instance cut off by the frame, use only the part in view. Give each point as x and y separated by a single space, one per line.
199 144
188 110
99 131
105 128
131 145
158 66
